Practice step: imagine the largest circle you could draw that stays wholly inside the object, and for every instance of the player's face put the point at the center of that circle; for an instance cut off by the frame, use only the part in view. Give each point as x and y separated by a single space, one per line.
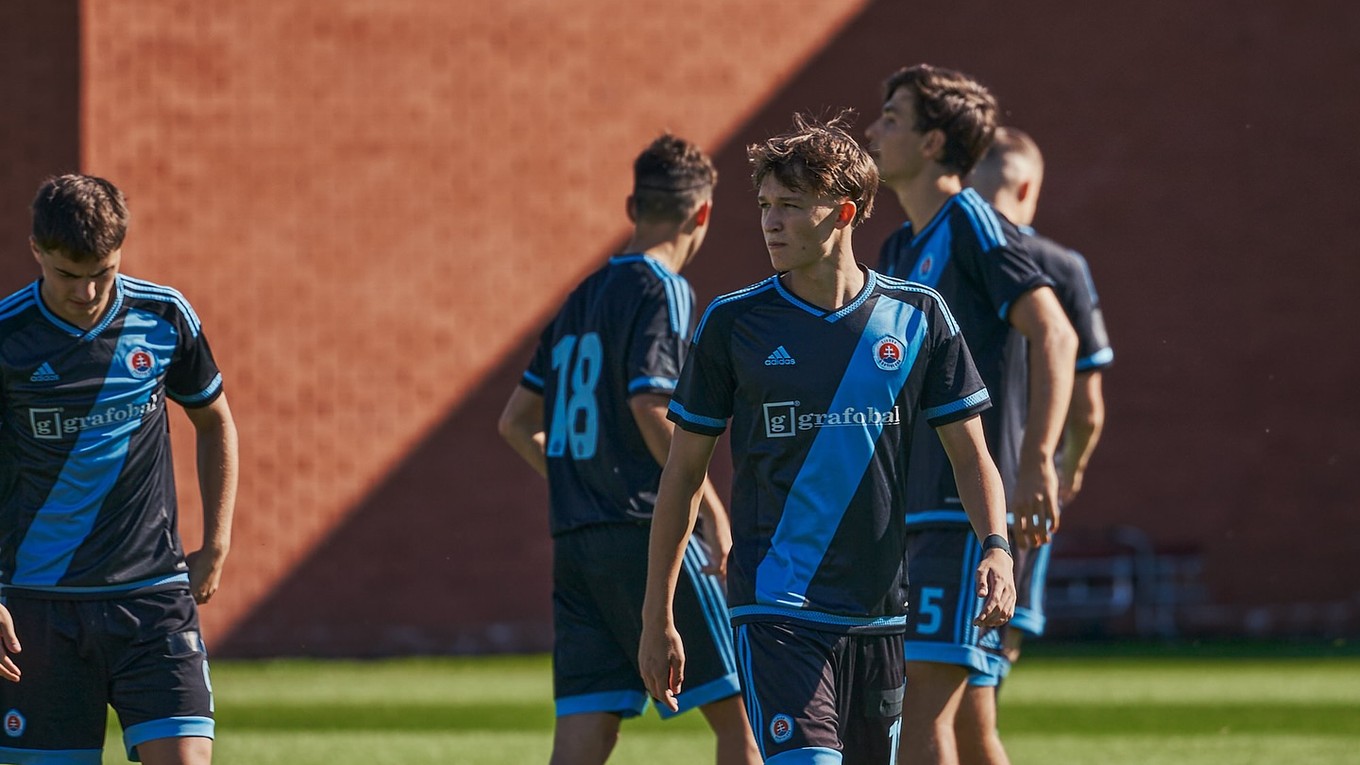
798 226
894 143
77 291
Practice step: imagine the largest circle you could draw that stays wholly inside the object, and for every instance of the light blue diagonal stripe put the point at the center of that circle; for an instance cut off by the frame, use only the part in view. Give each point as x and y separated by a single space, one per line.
836 462
93 464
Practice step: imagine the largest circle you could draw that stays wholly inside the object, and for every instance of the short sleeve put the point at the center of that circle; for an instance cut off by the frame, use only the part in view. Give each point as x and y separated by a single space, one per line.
1005 272
535 377
660 338
1078 295
953 389
702 402
193 379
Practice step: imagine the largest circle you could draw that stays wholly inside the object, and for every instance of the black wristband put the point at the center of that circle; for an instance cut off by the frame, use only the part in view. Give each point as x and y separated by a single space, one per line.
996 542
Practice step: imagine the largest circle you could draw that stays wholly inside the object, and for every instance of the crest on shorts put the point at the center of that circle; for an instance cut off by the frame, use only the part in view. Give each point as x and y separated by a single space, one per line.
140 362
14 723
781 728
888 353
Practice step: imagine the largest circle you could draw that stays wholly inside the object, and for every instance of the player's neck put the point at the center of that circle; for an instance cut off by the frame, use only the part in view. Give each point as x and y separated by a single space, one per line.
829 283
670 248
923 196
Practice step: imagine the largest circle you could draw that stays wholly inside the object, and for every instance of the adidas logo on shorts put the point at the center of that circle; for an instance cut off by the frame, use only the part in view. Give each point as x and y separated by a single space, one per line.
779 358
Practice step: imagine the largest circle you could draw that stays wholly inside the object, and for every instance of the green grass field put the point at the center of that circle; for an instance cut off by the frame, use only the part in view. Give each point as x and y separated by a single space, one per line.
1116 705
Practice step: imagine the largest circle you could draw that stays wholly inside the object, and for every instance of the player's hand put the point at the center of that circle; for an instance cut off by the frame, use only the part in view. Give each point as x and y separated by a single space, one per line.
205 573
1035 504
661 660
1068 487
996 584
9 645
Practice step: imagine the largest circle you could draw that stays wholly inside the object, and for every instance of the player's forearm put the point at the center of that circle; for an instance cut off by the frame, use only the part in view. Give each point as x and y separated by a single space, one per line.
218 472
529 446
1085 423
975 474
1052 359
677 506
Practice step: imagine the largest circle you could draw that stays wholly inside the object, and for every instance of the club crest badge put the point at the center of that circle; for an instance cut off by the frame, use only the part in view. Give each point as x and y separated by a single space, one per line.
140 362
888 353
926 263
14 723
781 728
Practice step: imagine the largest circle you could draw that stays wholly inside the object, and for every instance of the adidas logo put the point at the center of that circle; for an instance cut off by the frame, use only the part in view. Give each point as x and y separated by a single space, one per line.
44 374
779 357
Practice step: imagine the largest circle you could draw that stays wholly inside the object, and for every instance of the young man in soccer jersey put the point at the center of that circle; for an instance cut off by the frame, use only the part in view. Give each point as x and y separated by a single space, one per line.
590 415
1009 177
822 371
934 126
99 598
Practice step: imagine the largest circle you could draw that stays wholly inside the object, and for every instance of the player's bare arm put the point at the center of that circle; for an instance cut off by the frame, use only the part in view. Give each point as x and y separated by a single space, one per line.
521 425
1085 421
1052 363
649 412
661 654
9 645
984 499
218 470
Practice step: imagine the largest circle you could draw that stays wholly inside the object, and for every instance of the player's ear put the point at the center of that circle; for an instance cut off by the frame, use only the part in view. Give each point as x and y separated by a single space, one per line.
1022 192
701 215
932 145
33 245
845 214
631 205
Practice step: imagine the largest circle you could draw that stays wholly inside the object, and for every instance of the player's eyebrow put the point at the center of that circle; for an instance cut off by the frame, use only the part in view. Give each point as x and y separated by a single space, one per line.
94 275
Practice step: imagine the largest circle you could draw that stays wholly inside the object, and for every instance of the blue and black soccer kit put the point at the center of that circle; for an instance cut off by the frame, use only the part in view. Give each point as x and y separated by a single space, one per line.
822 405
974 257
90 558
623 332
1077 293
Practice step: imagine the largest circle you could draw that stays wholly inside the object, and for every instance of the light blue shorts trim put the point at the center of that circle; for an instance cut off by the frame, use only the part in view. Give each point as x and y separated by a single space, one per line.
169 727
51 756
715 690
622 703
813 755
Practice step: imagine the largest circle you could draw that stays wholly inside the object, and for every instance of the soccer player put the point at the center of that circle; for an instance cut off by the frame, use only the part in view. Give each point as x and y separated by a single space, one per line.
94 578
822 369
590 415
1009 177
934 126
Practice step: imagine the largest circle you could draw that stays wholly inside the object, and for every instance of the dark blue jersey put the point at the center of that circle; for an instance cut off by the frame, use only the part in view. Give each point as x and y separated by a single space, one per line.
1077 293
975 259
87 489
821 407
622 332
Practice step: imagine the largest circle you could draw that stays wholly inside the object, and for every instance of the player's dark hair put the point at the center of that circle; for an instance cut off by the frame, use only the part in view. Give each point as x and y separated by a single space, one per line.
79 216
952 102
671 178
819 158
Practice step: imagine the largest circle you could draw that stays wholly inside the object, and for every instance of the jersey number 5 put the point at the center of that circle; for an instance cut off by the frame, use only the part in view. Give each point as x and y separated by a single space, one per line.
576 416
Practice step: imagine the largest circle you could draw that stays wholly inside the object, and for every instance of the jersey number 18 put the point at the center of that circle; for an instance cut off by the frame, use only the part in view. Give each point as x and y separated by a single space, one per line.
576 416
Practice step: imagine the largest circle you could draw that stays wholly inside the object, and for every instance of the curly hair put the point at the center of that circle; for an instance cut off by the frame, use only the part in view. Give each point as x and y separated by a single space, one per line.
819 157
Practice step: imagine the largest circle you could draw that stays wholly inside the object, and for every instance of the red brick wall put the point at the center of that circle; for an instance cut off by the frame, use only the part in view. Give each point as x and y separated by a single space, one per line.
374 205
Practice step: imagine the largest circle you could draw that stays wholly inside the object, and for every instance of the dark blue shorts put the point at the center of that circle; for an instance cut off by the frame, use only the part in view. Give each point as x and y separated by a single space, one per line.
942 597
821 697
141 654
599 580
